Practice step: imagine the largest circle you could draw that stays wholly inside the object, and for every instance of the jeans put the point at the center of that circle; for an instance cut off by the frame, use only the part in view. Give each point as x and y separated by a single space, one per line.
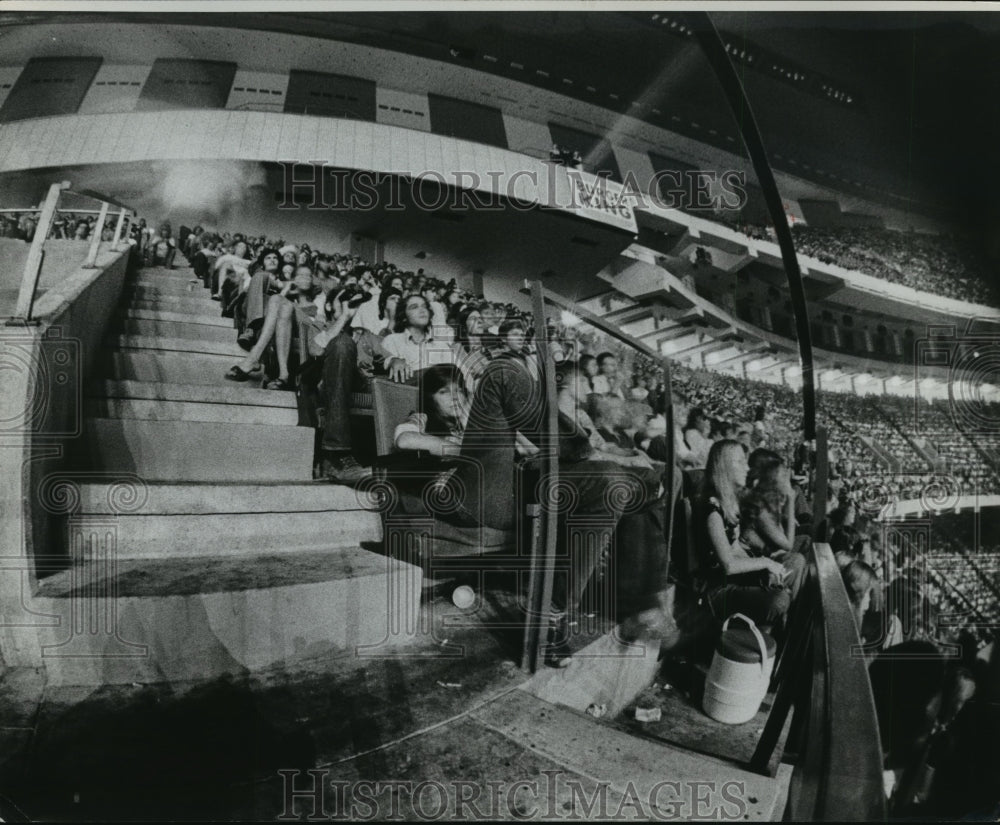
340 375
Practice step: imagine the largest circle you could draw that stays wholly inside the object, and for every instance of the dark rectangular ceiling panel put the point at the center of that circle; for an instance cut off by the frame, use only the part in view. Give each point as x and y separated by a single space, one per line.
187 84
468 121
50 86
330 95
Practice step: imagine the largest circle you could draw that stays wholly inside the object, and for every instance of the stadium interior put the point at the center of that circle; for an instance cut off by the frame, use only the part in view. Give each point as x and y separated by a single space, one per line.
401 411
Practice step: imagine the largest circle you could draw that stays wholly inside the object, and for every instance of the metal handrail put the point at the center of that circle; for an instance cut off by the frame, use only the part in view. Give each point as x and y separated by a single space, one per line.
33 265
542 585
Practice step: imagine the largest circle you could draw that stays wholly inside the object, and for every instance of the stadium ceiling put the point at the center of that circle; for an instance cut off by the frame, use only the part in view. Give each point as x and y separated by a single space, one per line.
861 102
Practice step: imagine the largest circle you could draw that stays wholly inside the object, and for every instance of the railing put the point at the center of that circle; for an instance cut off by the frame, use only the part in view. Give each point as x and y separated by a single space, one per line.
47 212
540 588
834 731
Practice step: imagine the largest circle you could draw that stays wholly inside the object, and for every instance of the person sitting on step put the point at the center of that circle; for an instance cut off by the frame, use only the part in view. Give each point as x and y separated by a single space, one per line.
277 325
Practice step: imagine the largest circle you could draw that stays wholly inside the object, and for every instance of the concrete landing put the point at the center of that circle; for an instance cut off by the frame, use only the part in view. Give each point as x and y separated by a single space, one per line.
198 619
674 783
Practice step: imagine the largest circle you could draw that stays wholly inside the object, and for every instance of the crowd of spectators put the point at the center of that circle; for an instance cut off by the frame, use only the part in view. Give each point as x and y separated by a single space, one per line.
740 441
66 226
938 264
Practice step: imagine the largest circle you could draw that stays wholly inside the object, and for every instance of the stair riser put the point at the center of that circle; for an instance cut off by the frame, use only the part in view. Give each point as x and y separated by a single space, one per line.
115 497
205 636
225 392
228 347
171 367
152 410
206 319
179 330
200 451
241 534
184 306
171 286
200 300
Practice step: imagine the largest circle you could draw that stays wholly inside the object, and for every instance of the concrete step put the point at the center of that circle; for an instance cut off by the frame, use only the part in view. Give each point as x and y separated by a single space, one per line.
173 284
126 496
156 621
199 450
159 343
198 296
152 409
208 319
225 392
677 783
241 534
170 303
170 367
178 330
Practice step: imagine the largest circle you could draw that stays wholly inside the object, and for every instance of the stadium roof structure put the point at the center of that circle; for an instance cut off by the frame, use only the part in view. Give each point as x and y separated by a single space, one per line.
893 106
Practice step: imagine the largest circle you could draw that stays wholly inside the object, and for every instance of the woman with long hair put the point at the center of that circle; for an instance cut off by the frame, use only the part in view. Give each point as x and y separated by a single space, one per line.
736 581
471 355
767 516
437 425
276 322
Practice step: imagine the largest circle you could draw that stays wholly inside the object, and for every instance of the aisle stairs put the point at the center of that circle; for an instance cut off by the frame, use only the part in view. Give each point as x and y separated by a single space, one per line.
198 524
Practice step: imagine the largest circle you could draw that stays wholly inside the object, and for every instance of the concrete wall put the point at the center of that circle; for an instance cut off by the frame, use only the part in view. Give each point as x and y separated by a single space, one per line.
41 410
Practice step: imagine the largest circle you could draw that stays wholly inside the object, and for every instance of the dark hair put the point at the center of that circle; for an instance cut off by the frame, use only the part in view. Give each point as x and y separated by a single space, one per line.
761 462
400 323
432 380
859 578
461 330
693 415
511 324
267 250
383 299
584 362
604 356
759 412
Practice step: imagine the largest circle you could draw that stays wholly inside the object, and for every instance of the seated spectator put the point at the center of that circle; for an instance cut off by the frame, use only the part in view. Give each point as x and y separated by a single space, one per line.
696 432
860 582
414 346
470 354
506 402
230 273
767 517
276 324
436 427
588 366
735 581
607 381
161 248
573 398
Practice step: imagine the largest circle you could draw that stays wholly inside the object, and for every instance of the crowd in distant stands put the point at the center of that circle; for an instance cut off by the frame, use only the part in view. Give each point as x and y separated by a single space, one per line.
65 226
938 264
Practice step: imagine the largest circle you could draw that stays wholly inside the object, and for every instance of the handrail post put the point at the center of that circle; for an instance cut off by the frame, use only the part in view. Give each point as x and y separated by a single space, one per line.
33 266
95 241
540 597
118 228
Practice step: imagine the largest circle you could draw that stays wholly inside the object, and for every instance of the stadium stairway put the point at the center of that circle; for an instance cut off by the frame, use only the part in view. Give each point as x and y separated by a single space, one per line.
199 543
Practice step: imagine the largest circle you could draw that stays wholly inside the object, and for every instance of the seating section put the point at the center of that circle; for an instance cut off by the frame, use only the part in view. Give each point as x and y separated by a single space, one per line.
936 264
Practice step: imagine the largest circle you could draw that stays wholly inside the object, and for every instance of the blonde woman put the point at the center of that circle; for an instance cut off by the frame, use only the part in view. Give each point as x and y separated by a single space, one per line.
735 581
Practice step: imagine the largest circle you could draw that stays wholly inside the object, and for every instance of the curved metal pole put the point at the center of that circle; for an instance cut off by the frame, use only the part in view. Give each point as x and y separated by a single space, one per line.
715 51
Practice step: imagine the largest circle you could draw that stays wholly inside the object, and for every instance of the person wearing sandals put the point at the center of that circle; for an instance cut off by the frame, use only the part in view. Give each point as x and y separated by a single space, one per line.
277 324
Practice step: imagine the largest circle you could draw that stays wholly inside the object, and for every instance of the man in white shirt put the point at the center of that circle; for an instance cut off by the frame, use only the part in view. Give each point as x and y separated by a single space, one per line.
415 348
607 381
